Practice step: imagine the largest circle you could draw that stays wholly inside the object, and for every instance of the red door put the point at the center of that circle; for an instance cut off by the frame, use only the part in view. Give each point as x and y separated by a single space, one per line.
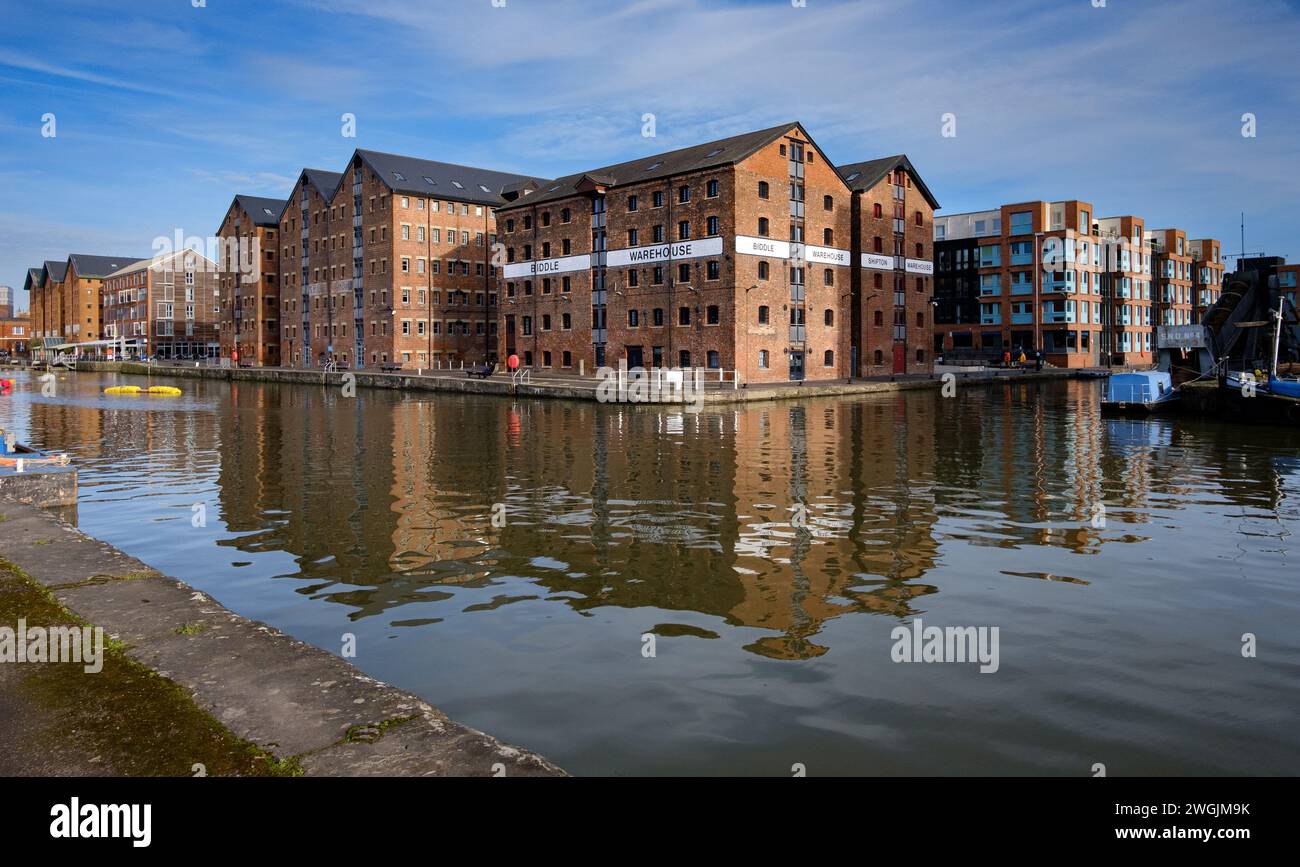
900 358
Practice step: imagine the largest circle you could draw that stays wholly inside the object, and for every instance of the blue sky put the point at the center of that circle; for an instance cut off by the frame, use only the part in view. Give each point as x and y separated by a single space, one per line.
164 111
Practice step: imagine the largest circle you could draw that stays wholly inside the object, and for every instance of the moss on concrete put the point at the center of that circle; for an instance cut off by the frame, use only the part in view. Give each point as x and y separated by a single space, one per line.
371 732
138 721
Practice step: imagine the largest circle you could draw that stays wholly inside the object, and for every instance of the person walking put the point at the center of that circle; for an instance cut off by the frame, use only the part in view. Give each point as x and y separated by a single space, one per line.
1038 359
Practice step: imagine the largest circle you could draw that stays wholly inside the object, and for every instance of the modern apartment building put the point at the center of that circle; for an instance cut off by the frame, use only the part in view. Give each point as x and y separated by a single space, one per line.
1207 274
730 255
1286 281
1051 276
249 317
1171 272
892 300
165 307
398 267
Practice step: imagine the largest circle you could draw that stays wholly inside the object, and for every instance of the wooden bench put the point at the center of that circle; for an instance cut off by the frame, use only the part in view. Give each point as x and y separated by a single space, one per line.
483 371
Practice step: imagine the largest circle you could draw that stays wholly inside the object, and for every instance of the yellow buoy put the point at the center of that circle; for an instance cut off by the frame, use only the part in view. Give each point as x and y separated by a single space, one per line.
167 390
122 389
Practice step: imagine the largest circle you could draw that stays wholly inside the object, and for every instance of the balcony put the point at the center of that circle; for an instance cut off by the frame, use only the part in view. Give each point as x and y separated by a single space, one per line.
1022 319
1064 284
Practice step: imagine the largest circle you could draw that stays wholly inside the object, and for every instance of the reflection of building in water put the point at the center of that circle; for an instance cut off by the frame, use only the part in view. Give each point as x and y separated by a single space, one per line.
309 471
863 471
448 472
640 507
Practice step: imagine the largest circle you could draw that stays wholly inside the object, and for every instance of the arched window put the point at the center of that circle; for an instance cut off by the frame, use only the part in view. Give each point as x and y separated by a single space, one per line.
880 357
762 314
828 359
762 189
828 317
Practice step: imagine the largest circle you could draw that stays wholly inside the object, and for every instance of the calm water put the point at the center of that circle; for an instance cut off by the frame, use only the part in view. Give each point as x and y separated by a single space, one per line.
1119 644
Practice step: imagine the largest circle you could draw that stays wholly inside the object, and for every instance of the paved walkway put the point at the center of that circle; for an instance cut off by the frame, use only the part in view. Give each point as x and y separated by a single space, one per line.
187 683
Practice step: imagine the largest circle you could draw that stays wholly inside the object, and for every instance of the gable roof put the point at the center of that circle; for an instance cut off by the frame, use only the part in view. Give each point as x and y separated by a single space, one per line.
98 266
430 178
35 279
159 260
55 271
326 183
722 152
865 175
263 211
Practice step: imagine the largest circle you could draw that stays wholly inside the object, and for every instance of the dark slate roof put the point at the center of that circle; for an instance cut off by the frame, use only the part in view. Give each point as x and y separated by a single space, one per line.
263 211
441 180
326 183
863 176
699 157
99 266
35 279
56 270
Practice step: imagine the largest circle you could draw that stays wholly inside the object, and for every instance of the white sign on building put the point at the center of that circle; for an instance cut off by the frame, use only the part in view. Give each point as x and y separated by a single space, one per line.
878 261
664 252
545 267
919 266
762 247
827 255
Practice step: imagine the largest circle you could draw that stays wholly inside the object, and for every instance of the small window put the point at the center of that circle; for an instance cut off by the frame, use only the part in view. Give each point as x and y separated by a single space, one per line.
712 316
683 316
828 203
828 317
762 185
828 359
762 314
